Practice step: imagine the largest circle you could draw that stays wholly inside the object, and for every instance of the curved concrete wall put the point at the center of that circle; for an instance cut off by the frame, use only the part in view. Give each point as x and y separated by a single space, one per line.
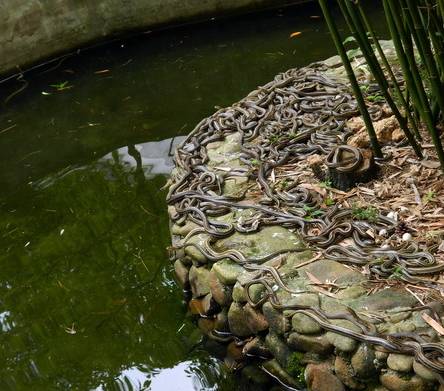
31 30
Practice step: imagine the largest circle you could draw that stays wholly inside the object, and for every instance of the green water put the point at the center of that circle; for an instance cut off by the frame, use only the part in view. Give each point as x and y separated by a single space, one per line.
87 295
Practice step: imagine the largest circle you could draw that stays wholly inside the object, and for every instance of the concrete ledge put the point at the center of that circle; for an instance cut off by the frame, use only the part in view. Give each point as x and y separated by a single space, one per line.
36 29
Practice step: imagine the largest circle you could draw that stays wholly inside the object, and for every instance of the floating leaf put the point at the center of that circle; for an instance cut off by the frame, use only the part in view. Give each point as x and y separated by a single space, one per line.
295 34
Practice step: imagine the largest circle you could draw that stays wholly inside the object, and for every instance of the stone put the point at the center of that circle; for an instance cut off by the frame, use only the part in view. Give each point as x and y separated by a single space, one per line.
209 305
304 324
320 377
234 356
326 270
227 271
400 362
256 320
296 299
192 251
393 382
238 320
341 342
363 361
184 229
182 274
275 369
277 322
235 186
199 281
221 321
352 292
256 292
254 378
398 315
385 299
239 293
423 371
278 348
221 293
381 356
345 373
310 343
256 347
261 243
206 325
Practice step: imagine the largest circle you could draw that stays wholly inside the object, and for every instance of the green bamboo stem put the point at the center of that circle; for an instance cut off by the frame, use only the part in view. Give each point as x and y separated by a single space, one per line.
389 70
408 65
436 30
405 51
355 24
441 8
352 78
423 45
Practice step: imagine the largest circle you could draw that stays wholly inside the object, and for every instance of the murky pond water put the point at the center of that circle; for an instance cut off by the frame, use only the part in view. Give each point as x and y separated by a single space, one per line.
87 296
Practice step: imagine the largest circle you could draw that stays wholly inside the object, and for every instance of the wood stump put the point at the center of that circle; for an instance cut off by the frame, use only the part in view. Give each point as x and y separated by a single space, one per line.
349 165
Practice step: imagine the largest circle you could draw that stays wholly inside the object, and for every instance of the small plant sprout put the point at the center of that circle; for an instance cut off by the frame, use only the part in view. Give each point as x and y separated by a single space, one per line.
312 212
369 213
326 184
428 197
329 201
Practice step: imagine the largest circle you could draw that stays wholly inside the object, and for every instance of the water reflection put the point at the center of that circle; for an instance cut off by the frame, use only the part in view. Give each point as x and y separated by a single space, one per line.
150 159
87 295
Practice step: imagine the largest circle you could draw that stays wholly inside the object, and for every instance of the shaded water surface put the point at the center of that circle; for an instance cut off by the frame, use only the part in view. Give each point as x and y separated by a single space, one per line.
87 296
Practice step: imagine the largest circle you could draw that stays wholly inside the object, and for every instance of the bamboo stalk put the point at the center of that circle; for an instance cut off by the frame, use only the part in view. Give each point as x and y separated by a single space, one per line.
355 25
423 45
389 70
411 75
354 83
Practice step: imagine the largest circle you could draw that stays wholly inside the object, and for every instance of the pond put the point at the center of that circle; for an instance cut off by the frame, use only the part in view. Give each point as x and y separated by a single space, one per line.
87 295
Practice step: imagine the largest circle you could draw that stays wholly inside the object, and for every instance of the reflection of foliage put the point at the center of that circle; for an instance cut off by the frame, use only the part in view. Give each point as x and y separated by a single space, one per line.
92 291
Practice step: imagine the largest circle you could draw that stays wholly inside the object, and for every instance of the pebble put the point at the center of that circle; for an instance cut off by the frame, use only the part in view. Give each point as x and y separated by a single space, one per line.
400 362
406 237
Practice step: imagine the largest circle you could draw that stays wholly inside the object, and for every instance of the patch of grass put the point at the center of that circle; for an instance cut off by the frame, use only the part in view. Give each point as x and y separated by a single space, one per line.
375 98
284 184
295 368
312 212
397 273
429 196
326 184
329 201
369 213
274 138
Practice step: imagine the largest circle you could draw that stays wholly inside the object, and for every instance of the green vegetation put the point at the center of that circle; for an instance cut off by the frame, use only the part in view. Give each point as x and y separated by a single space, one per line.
61 86
329 201
369 213
295 368
416 28
429 196
326 184
312 212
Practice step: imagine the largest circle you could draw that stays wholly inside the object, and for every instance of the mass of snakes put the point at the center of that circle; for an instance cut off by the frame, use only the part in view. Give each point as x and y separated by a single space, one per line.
301 112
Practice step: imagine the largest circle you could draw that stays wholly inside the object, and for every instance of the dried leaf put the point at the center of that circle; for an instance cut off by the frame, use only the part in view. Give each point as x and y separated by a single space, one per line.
430 163
433 323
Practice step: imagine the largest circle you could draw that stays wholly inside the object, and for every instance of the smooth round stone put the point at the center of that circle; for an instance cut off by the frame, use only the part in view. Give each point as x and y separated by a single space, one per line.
304 324
400 362
423 372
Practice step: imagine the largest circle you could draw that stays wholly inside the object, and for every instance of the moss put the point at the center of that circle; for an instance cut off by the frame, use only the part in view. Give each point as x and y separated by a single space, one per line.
295 368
